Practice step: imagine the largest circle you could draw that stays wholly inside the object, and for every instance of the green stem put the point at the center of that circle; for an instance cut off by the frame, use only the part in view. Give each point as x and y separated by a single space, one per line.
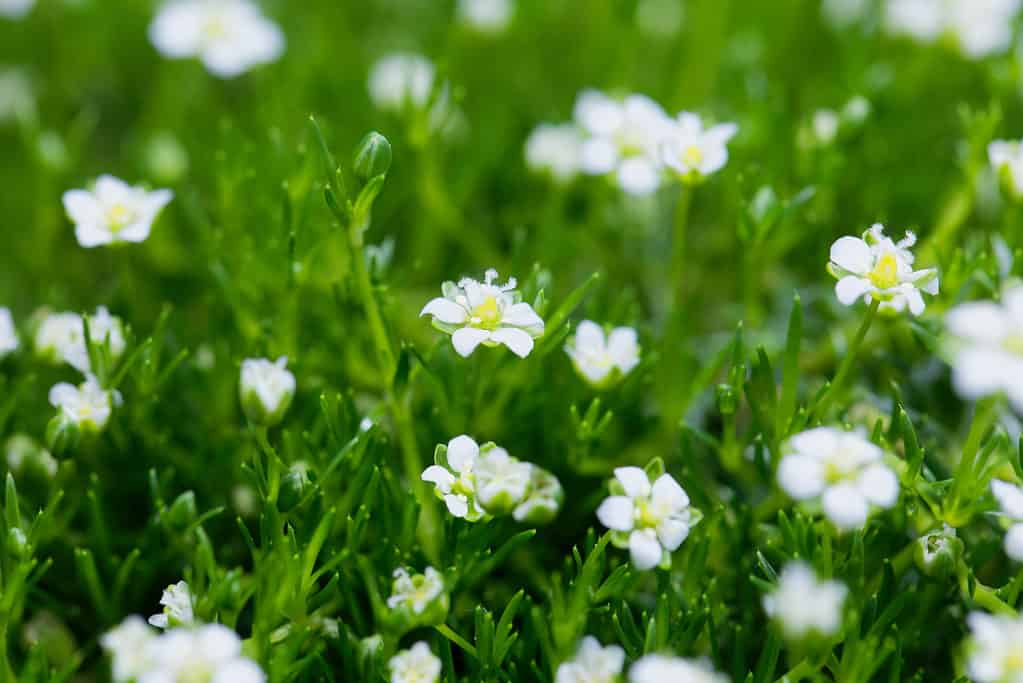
984 417
678 246
820 410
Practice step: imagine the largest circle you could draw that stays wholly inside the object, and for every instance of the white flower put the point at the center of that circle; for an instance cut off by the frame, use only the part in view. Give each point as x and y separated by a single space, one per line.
128 647
541 504
22 451
657 668
978 27
1006 158
403 83
923 20
415 665
17 100
229 37
8 334
596 357
988 353
995 648
417 591
875 267
825 123
623 138
113 212
266 389
844 469
177 607
651 520
501 480
456 484
475 313
695 152
88 405
61 337
487 16
555 149
805 605
15 9
1010 501
592 664
211 653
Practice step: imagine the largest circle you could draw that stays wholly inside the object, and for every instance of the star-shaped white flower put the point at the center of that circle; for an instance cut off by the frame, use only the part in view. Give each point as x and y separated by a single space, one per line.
229 37
1010 502
987 349
623 138
600 358
875 267
177 607
501 480
651 520
456 483
266 389
415 665
845 470
805 605
9 342
211 652
113 212
475 313
995 650
695 152
415 591
88 405
592 664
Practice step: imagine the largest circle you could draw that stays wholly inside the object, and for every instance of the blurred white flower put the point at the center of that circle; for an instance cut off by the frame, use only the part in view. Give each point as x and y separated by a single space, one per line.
843 13
456 483
400 81
475 313
657 668
845 470
597 356
1010 503
415 665
995 648
979 28
1006 158
805 605
229 37
695 152
177 607
501 480
544 499
486 16
17 99
128 647
652 521
592 664
211 653
88 405
9 342
875 267
987 354
15 9
825 123
266 389
113 211
554 149
623 138
21 451
415 591
61 337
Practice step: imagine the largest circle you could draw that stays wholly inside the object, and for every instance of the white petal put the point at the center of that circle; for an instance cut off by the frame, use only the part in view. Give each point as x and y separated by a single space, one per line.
521 315
879 485
458 505
845 506
462 453
82 207
666 494
1014 542
801 476
92 235
818 442
852 254
597 113
435 474
519 341
981 371
177 30
672 532
722 133
467 339
1009 497
645 549
634 480
850 288
617 513
980 321
63 394
589 335
914 299
445 310
597 156
639 176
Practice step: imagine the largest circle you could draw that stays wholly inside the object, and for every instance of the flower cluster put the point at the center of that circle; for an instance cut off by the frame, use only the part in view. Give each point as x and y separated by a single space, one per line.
593 663
60 337
479 481
417 664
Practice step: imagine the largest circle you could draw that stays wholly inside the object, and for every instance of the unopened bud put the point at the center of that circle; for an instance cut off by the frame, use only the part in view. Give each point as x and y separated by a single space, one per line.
372 157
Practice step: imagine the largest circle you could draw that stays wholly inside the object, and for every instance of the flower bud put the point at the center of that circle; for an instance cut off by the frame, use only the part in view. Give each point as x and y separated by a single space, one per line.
372 157
266 390
294 484
543 501
727 399
937 553
62 435
182 511
17 543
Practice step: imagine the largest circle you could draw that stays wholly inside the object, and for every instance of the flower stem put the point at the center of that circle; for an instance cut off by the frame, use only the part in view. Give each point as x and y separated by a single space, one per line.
851 353
678 246
984 417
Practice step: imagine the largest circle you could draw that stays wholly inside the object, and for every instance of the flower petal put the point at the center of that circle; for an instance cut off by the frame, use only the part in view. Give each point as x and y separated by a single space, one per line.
801 476
879 485
639 176
440 477
852 254
462 453
645 549
467 339
850 288
458 505
445 310
519 341
1009 497
666 495
617 513
1014 542
845 506
521 315
634 480
671 532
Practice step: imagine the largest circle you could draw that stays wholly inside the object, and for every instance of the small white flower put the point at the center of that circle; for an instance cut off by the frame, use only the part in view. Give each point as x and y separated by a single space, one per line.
456 483
9 342
17 99
657 668
501 480
61 337
979 28
88 405
229 37
555 149
415 665
128 647
541 504
1010 501
995 648
403 83
475 313
486 16
266 389
15 9
988 350
805 605
844 469
416 591
825 123
652 521
1006 158
623 138
210 653
695 152
876 267
113 212
177 607
592 664
597 356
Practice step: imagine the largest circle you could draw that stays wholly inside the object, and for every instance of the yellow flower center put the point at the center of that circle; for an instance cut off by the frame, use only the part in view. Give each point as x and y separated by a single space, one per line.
214 28
1014 661
646 516
488 313
1014 343
693 156
119 216
886 272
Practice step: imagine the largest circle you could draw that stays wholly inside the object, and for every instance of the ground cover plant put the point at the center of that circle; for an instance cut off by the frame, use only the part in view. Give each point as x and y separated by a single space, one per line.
650 341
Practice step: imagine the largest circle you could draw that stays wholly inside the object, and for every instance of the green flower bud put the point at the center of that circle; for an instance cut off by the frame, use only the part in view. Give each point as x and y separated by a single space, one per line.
936 554
182 511
372 157
17 543
52 636
728 400
543 501
294 484
62 435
